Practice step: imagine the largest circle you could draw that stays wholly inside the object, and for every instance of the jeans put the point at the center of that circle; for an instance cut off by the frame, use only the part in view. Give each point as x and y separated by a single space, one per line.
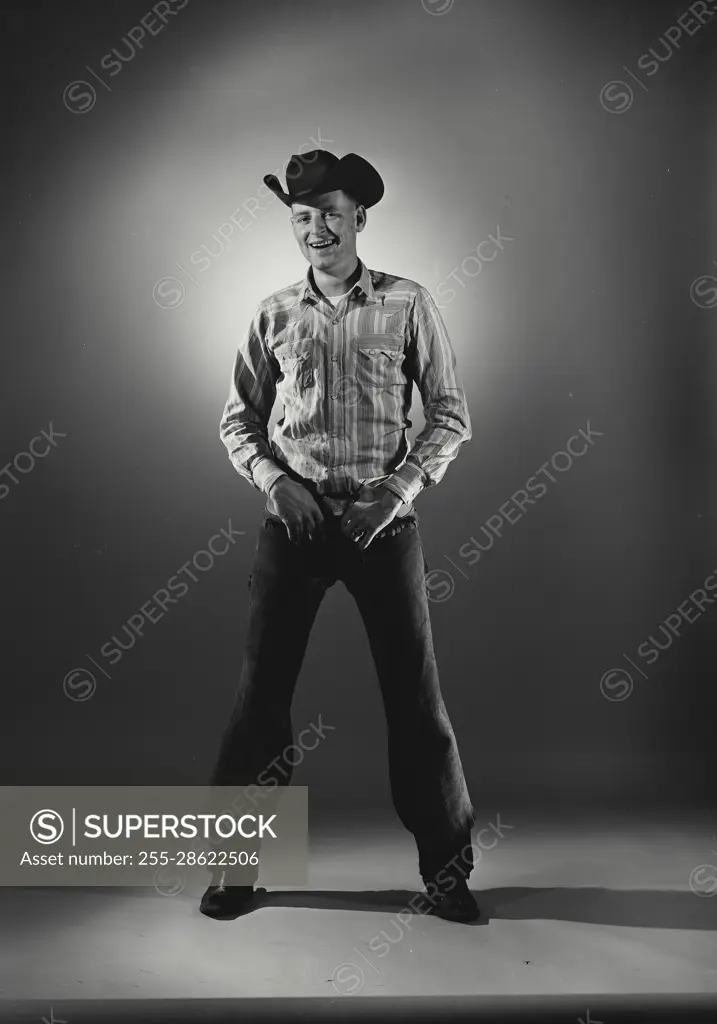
387 580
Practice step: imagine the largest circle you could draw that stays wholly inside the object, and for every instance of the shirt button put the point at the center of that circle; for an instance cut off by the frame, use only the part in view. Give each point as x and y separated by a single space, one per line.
334 359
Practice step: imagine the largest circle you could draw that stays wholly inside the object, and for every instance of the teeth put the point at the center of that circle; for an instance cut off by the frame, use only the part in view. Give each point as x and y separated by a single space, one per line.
321 245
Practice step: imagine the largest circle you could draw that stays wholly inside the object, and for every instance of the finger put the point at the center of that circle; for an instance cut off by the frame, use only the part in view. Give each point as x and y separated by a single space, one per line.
302 527
366 539
359 533
352 523
306 525
293 531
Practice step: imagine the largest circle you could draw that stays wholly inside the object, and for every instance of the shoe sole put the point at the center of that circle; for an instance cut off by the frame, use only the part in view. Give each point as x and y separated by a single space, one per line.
467 918
246 907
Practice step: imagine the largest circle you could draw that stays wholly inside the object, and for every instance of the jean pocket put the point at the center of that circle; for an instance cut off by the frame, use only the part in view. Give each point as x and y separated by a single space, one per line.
269 517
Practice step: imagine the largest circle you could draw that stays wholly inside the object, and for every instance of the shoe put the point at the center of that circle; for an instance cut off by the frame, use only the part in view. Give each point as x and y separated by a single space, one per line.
456 905
227 902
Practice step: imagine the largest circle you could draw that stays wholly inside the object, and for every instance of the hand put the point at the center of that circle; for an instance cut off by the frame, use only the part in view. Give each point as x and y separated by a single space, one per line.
297 509
373 509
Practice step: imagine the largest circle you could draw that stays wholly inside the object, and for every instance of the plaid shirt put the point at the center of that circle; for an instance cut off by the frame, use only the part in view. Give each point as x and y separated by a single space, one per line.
345 377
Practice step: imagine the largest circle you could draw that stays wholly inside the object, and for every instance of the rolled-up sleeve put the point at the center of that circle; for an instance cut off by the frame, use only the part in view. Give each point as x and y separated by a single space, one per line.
448 426
252 392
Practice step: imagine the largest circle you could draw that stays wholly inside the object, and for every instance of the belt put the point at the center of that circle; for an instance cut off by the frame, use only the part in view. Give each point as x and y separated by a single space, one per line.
338 505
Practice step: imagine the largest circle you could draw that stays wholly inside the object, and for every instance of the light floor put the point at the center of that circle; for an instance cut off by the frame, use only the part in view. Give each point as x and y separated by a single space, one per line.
589 908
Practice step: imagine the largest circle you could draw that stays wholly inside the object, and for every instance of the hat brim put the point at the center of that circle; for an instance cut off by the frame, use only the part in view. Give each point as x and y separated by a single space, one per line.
350 174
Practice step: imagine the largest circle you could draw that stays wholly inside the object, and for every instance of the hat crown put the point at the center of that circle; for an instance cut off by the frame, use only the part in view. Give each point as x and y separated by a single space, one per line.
306 171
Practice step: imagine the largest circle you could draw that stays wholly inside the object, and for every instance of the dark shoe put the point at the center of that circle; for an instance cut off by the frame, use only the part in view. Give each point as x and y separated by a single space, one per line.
227 902
457 904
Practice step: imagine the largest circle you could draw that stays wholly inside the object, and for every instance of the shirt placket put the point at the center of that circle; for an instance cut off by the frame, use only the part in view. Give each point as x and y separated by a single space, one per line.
336 425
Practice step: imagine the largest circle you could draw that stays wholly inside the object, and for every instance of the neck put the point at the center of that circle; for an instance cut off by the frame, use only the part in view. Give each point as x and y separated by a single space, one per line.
330 284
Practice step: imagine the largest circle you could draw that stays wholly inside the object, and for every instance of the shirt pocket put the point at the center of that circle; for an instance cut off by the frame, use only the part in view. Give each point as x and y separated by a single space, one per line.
388 320
296 362
379 360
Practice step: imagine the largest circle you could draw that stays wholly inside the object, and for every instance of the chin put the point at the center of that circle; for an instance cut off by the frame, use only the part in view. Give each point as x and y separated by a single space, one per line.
324 264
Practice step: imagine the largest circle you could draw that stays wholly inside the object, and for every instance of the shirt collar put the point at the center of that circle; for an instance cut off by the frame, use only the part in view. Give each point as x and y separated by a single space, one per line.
364 284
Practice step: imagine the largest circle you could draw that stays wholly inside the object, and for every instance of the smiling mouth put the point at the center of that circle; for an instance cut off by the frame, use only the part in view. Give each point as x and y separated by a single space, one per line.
322 245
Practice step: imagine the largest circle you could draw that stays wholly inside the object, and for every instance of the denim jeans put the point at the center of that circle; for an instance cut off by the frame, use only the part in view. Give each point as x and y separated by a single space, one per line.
387 580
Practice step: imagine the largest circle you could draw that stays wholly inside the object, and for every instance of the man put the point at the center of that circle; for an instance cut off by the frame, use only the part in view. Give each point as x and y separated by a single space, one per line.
341 350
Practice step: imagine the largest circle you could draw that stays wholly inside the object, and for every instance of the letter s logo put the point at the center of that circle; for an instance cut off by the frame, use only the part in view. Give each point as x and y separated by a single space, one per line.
46 826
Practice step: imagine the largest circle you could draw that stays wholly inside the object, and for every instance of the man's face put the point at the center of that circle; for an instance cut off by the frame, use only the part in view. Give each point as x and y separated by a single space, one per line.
332 218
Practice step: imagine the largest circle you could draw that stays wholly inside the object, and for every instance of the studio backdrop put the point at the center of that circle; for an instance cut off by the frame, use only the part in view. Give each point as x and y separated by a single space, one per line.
551 180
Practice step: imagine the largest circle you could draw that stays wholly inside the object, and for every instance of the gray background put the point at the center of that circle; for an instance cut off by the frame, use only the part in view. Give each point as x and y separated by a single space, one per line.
487 115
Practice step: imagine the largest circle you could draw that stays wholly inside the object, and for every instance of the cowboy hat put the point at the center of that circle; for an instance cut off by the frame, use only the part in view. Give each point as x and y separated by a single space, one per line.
318 172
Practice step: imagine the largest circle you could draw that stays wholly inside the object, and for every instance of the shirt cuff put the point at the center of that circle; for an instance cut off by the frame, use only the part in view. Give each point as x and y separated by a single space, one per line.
265 472
407 482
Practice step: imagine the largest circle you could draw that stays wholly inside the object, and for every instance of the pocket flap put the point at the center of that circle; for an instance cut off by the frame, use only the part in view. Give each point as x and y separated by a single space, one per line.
390 345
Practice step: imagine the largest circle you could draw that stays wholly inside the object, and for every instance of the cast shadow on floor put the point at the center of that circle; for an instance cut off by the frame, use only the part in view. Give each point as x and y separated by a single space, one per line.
629 908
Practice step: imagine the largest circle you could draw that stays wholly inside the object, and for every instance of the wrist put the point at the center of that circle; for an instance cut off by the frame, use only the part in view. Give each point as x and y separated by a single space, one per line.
389 498
277 484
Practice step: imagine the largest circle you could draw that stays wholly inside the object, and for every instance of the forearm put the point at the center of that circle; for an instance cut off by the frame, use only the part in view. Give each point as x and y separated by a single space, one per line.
447 428
447 421
245 420
249 450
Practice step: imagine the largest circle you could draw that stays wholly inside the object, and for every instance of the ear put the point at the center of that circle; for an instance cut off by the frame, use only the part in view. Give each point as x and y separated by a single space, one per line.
361 217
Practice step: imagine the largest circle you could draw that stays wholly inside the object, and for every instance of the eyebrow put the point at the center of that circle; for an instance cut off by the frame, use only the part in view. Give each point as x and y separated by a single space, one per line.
321 209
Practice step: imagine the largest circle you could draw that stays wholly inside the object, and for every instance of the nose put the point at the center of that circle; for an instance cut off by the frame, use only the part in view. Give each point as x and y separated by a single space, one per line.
317 230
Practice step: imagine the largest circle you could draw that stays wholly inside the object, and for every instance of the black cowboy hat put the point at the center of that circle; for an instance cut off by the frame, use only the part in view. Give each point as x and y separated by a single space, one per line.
318 172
